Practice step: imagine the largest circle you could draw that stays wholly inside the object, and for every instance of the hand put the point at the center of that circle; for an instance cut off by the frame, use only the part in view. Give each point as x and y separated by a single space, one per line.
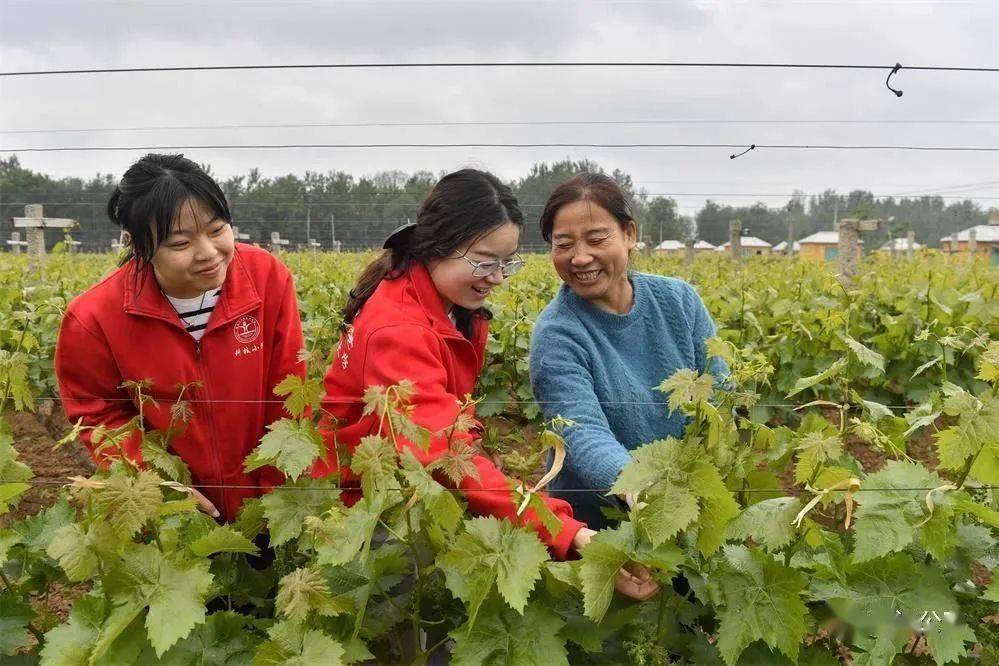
204 504
633 580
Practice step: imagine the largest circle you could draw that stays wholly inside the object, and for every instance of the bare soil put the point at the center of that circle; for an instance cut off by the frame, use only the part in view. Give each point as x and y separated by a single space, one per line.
35 437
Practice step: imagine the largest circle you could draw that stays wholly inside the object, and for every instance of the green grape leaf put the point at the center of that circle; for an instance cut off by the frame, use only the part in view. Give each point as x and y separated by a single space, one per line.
662 460
976 434
292 644
814 450
302 394
687 387
304 591
458 463
376 460
926 366
126 502
992 591
291 446
70 643
78 550
493 553
808 382
762 601
767 523
14 618
865 354
344 534
988 363
666 513
8 539
286 507
665 467
718 507
223 539
250 519
946 641
608 551
13 473
440 502
888 513
502 636
156 455
39 530
176 601
878 593
222 639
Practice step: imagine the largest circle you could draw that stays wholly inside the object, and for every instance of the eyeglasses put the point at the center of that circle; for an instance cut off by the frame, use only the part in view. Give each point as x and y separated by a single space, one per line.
485 268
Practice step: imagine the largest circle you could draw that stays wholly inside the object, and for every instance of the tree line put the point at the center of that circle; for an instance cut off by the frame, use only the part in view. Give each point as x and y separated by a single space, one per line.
359 211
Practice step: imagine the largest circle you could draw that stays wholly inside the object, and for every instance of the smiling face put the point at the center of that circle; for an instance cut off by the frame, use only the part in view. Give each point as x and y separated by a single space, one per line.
195 256
453 276
590 253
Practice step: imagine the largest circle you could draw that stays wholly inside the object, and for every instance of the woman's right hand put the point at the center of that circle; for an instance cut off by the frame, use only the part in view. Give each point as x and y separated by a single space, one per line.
633 580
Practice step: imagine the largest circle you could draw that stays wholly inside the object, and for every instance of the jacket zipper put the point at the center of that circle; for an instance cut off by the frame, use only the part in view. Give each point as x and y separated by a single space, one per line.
210 409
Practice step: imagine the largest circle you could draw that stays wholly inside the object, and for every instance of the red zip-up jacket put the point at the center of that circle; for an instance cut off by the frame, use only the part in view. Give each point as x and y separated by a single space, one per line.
403 332
124 329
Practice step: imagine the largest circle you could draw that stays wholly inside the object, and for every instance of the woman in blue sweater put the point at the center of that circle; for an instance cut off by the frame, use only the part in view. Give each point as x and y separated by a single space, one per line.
607 339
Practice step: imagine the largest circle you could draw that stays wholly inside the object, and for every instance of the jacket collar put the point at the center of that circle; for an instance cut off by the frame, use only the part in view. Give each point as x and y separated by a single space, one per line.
144 297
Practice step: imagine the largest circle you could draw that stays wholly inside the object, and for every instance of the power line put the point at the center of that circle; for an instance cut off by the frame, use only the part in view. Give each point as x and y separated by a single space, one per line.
43 481
509 123
350 146
533 64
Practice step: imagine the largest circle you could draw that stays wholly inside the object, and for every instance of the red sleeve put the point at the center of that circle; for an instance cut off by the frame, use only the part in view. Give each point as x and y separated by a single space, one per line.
287 343
89 385
413 353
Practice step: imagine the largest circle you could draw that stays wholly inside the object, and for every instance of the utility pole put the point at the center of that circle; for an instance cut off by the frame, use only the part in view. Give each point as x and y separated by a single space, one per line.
735 239
847 251
308 223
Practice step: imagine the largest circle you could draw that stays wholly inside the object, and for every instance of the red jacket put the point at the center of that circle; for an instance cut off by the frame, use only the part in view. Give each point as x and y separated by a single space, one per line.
403 332
124 329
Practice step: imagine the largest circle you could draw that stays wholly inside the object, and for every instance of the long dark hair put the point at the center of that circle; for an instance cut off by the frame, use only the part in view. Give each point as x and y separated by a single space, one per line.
147 199
463 206
596 187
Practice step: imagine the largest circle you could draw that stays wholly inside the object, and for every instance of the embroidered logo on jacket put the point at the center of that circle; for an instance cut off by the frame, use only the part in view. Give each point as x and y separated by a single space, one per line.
246 329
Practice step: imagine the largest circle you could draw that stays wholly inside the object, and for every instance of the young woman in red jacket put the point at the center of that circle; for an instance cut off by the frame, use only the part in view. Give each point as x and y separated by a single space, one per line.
189 310
418 313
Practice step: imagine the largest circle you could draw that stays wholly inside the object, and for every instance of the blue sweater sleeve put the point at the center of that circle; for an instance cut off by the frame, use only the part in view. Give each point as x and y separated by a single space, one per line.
563 385
704 328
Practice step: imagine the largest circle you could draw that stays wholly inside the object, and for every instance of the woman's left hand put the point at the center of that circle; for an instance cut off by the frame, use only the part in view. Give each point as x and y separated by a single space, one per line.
633 580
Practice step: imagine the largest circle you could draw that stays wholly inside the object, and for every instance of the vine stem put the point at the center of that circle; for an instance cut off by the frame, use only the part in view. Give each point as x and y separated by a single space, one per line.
39 636
967 468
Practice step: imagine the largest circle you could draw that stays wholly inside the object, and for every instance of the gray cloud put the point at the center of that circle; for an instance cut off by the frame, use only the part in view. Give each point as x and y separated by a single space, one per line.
40 35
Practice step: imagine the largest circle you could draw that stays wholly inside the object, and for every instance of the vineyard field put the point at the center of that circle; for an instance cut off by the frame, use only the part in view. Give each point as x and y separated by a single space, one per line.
837 502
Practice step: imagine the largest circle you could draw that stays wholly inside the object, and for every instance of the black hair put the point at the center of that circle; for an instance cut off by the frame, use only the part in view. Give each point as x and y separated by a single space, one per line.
148 198
596 187
462 207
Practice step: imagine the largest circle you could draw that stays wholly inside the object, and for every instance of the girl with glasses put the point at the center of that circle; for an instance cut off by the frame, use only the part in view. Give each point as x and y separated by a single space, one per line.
418 313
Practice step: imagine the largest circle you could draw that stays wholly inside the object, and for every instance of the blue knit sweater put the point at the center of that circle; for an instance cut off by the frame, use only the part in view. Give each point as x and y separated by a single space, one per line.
599 369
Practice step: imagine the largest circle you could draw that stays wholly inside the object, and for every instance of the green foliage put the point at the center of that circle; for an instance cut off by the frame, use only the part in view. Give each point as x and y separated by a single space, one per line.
492 554
404 572
291 446
761 600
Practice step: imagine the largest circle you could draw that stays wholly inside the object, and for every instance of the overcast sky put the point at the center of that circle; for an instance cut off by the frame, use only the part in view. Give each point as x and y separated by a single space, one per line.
40 34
